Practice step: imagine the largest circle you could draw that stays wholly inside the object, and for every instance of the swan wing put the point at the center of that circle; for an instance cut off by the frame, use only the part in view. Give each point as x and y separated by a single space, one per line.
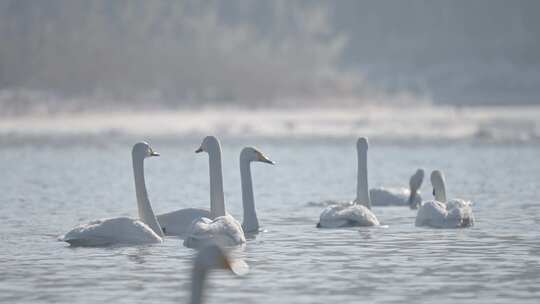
432 214
224 230
392 196
104 232
347 215
178 222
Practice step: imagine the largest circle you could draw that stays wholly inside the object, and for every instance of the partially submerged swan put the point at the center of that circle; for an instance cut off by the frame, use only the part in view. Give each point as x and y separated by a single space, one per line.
178 222
123 230
440 213
399 196
208 258
220 227
358 212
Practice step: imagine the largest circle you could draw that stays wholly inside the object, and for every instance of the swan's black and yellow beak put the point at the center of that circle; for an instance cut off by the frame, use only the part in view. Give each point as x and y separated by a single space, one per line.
199 150
433 191
154 153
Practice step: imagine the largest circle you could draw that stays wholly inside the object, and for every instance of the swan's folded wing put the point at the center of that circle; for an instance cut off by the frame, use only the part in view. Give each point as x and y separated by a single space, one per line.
392 197
178 222
432 214
389 196
223 230
347 215
121 230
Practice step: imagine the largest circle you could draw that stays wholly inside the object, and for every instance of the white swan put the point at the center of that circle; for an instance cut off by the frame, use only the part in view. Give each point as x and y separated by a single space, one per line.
123 230
178 222
220 227
212 257
356 213
399 196
440 213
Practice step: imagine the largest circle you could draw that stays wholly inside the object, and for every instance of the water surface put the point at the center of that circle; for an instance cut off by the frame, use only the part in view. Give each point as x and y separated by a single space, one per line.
49 188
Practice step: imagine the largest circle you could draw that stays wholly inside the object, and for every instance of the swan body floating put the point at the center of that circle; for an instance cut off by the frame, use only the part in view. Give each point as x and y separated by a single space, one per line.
440 213
358 212
212 257
123 230
399 196
220 227
178 222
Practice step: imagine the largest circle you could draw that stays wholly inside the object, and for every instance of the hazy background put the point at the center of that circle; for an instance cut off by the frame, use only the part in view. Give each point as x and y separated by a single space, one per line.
72 55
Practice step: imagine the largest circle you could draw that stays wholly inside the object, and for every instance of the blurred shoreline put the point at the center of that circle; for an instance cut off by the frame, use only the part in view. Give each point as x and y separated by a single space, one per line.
404 124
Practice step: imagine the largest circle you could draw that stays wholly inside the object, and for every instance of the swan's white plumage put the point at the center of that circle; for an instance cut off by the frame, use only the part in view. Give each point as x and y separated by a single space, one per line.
392 197
123 230
357 213
223 230
120 230
440 213
221 227
400 196
178 222
347 215
455 214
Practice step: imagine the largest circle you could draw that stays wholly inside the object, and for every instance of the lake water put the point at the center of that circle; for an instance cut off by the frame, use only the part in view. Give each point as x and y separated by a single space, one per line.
48 188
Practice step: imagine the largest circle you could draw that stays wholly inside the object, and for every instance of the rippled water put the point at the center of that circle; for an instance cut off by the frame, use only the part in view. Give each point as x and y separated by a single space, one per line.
47 189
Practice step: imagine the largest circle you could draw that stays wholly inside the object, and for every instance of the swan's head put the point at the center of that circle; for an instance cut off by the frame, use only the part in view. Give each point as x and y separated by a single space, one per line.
362 144
252 154
207 144
143 150
439 186
214 257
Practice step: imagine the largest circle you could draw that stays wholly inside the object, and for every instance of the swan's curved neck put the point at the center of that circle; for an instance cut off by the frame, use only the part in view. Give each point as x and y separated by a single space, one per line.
410 200
250 221
413 191
362 190
440 191
217 201
197 283
146 214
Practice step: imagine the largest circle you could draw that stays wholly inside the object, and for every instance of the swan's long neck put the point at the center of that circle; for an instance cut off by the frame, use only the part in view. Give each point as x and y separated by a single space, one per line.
412 196
362 190
197 283
146 214
414 183
250 221
217 201
440 191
